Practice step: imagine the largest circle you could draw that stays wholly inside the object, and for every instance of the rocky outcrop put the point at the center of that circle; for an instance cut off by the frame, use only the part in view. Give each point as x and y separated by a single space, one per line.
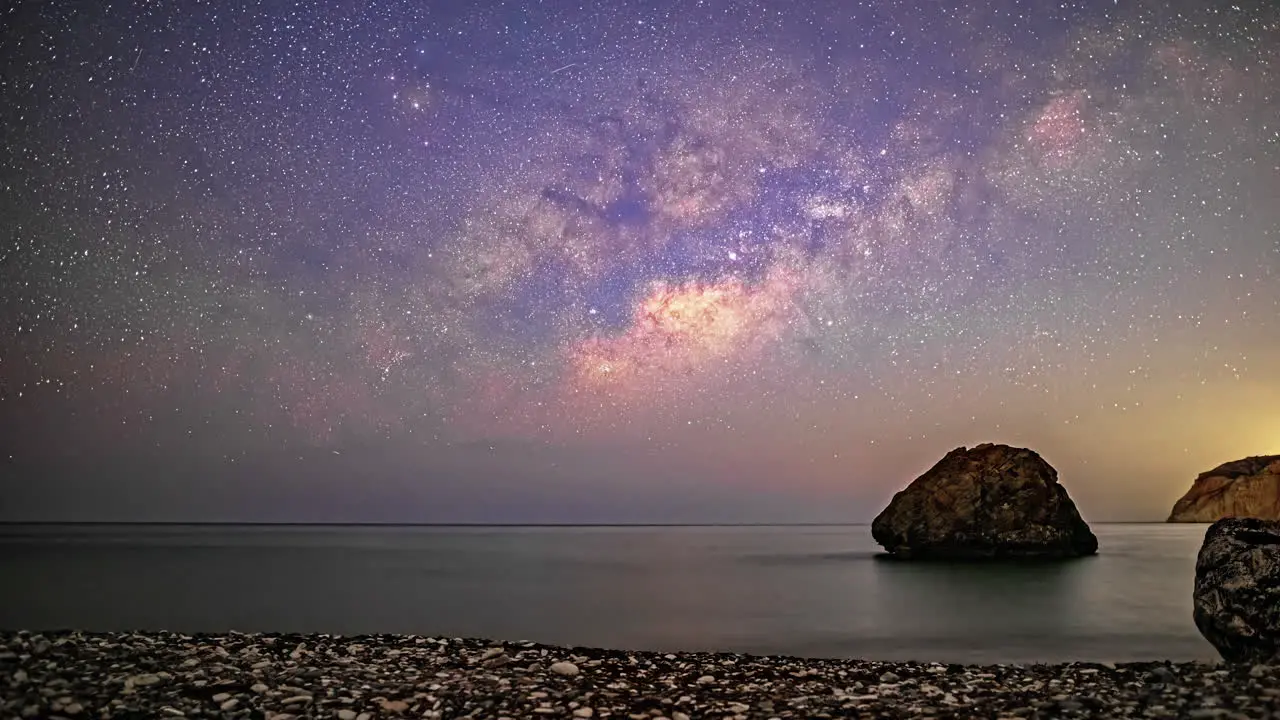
1244 488
992 501
1237 591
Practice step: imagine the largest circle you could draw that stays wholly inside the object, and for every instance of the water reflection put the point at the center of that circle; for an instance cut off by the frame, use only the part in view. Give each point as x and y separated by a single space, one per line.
941 600
797 591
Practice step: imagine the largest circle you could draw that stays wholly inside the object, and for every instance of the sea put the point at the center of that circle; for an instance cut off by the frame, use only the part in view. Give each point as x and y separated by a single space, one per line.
809 591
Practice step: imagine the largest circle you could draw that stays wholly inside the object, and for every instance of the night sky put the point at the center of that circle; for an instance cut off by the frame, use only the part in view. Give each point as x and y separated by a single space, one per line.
659 262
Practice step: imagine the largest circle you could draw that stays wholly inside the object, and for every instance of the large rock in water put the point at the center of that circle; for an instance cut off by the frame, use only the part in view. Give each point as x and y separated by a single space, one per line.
993 501
1237 591
1244 488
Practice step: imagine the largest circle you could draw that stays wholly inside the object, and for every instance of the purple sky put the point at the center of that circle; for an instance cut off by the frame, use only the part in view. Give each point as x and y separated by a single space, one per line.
665 262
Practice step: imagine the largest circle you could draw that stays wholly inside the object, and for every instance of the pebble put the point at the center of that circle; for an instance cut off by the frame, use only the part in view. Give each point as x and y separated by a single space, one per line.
566 668
92 675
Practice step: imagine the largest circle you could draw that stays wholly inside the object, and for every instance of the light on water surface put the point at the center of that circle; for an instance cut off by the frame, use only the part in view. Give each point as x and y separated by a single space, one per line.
810 591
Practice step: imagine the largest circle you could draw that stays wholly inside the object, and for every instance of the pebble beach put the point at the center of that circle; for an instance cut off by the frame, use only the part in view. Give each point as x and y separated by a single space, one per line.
283 677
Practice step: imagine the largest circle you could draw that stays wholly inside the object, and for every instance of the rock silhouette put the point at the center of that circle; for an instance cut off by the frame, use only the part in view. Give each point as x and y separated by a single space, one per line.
992 501
1237 590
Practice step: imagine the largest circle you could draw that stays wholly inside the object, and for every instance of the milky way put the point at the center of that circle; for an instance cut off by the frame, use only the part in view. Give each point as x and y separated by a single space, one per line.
647 261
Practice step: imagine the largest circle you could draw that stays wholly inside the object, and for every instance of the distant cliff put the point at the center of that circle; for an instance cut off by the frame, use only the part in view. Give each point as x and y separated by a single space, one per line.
1244 488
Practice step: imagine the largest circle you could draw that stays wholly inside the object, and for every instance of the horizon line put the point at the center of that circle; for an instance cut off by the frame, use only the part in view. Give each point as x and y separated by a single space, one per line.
236 523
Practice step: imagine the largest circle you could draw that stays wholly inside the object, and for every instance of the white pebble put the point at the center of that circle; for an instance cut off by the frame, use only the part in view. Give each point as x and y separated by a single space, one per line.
567 669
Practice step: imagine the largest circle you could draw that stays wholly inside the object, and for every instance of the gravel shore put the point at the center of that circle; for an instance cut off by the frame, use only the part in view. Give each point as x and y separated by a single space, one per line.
159 675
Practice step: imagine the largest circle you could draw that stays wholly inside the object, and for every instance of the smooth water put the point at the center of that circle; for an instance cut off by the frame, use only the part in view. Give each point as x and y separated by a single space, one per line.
809 591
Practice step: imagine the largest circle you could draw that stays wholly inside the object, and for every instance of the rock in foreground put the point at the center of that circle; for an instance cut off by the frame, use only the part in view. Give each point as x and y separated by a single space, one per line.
1244 488
993 501
1237 590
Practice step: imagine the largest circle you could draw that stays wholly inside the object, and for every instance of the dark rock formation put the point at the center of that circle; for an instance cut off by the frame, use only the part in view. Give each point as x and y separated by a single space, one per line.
993 501
1244 488
1237 591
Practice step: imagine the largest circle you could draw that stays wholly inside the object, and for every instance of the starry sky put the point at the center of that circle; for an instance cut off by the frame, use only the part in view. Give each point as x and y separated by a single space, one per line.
628 262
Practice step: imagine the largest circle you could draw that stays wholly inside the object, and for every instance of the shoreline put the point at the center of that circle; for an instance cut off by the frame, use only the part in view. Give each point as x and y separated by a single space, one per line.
290 676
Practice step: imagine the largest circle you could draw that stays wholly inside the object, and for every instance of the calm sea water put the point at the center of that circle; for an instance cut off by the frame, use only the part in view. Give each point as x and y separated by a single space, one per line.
808 591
